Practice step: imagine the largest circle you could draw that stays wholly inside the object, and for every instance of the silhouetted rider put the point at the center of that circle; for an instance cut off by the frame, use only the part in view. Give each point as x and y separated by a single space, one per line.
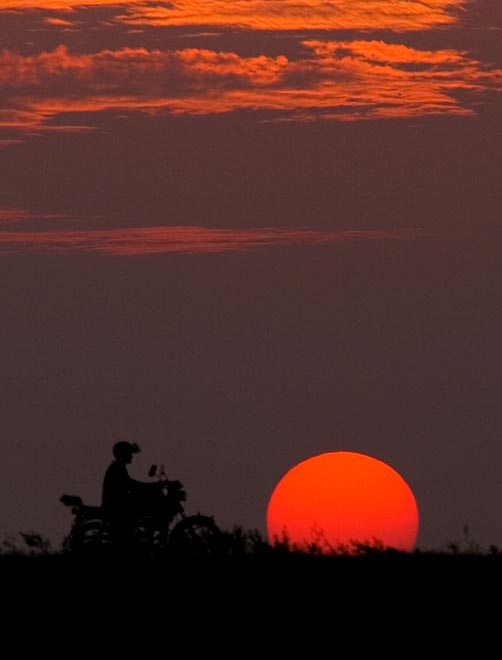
124 499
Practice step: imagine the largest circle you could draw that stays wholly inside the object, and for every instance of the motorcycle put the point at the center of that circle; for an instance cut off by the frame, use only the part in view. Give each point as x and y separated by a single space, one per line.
161 528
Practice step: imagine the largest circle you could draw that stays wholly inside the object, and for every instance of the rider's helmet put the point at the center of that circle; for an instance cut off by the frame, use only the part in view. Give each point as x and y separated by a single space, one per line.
124 449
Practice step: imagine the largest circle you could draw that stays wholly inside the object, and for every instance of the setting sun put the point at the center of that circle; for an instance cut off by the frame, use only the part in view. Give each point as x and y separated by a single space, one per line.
342 499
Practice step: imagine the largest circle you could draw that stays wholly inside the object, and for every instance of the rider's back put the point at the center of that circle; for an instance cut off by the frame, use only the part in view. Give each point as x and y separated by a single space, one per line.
117 496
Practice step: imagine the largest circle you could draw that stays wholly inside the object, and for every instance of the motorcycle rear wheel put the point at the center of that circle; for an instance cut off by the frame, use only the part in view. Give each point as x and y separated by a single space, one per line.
89 539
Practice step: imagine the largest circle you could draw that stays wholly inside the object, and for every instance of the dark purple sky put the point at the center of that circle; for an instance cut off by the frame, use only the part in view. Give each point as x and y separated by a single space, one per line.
243 234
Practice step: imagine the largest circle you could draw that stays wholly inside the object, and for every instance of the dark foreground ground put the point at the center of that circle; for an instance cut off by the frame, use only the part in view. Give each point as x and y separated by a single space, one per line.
462 579
403 605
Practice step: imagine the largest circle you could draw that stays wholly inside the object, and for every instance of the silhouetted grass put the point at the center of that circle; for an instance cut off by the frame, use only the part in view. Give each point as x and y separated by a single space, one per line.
255 591
241 543
252 580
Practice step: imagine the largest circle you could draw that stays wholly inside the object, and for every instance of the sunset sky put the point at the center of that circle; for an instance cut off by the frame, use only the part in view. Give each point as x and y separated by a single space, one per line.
244 233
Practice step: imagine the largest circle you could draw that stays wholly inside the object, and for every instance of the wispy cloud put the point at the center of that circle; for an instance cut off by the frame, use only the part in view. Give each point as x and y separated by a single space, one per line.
272 14
61 5
182 240
15 215
60 22
344 80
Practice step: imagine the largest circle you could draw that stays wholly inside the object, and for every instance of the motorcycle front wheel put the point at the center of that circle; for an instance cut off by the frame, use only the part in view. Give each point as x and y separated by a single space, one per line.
196 536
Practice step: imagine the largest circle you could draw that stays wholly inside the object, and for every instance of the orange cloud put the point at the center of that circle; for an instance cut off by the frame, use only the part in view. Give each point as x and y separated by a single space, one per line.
273 14
300 14
58 21
181 240
344 80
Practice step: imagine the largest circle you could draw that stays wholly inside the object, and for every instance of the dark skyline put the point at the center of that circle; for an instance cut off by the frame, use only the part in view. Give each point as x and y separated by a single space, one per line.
243 234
